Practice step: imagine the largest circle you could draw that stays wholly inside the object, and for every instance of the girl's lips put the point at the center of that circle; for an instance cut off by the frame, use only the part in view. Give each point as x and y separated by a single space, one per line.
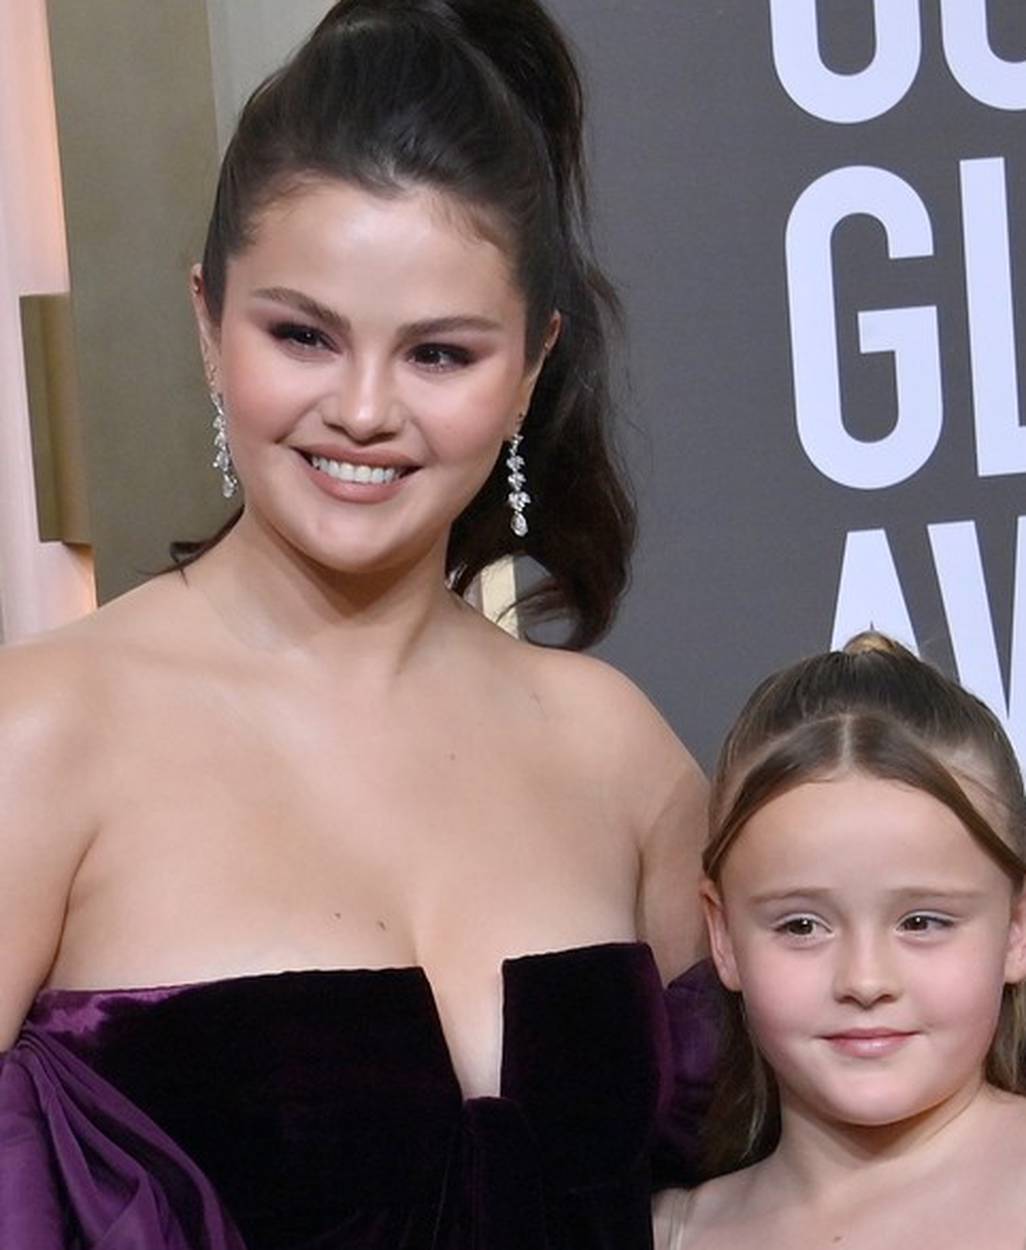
868 1043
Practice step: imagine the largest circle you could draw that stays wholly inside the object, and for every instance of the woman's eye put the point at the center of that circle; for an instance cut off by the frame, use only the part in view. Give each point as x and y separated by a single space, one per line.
798 927
924 922
300 335
439 356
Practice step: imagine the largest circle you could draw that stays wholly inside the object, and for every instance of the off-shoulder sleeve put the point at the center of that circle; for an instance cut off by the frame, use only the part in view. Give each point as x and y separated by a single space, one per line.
694 1007
82 1168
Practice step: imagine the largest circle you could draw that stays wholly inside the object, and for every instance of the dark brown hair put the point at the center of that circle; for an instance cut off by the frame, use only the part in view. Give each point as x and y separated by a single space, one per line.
877 709
479 99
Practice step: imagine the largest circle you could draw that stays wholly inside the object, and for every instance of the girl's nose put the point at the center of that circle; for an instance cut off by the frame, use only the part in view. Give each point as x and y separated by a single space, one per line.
865 971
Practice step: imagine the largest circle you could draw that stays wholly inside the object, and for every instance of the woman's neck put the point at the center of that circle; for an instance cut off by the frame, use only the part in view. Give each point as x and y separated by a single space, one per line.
273 599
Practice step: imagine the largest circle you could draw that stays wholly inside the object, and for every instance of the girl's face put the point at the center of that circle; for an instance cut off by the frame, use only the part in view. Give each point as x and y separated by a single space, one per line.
371 358
870 937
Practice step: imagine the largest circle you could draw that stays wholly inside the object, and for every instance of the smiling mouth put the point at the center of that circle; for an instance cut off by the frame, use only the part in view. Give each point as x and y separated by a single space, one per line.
363 474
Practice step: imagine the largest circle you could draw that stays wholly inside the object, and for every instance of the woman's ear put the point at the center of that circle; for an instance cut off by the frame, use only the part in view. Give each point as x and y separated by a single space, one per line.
1015 954
553 332
208 336
531 376
720 945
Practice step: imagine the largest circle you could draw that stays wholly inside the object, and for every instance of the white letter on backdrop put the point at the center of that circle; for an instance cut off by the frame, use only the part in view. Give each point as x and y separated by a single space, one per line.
869 595
846 97
910 333
956 554
988 78
1000 439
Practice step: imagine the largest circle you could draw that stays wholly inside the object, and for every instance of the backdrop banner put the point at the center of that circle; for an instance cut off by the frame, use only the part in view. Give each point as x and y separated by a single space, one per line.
817 214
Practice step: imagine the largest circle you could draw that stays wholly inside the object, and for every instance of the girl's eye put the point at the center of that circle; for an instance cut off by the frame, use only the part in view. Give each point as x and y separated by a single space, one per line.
924 922
437 356
299 335
799 927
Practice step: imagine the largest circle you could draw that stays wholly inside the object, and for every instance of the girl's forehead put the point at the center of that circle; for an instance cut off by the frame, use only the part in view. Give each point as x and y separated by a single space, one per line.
853 828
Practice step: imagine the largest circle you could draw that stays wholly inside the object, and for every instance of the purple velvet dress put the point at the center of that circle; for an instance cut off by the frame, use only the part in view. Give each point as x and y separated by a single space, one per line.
320 1111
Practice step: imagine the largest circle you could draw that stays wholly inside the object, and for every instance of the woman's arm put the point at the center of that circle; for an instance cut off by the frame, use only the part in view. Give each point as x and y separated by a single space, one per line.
661 796
45 824
672 837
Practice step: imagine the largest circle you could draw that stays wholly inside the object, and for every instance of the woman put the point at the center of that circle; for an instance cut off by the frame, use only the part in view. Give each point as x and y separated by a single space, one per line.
305 755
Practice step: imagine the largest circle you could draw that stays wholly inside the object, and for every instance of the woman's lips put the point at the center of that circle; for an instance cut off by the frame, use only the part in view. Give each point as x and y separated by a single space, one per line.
868 1043
356 491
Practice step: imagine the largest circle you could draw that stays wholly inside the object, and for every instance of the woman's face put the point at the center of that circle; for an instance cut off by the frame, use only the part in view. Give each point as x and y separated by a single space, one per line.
871 938
372 361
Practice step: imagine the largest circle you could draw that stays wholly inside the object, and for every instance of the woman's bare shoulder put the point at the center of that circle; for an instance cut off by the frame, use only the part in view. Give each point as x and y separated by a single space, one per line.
59 698
58 691
49 668
571 684
615 722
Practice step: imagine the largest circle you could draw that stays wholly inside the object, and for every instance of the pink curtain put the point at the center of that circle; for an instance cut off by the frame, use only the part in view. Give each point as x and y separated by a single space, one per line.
41 584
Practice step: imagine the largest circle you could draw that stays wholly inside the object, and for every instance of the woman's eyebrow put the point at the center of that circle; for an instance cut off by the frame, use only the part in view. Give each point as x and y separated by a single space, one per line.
326 316
305 304
448 325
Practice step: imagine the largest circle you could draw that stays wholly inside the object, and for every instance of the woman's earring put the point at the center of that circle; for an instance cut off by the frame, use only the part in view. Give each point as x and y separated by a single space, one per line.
518 498
223 456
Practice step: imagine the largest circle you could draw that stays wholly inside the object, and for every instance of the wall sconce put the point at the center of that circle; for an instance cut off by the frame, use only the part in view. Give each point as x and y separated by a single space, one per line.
58 455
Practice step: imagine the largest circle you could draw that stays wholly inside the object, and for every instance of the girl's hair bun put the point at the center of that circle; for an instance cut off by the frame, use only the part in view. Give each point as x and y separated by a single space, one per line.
871 642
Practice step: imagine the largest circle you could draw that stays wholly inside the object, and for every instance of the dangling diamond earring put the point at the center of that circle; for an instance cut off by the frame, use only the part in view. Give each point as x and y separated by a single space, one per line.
518 498
223 456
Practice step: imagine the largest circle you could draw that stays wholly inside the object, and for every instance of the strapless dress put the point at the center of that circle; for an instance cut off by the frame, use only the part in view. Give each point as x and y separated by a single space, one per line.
320 1110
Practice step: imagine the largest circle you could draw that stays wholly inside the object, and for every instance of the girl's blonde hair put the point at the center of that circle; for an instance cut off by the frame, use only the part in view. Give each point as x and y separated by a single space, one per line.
877 709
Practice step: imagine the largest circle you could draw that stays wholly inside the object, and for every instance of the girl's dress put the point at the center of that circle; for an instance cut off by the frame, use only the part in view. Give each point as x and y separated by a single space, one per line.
320 1111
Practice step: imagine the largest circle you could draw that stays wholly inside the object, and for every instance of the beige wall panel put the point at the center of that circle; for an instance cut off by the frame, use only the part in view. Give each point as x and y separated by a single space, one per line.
58 453
138 146
249 39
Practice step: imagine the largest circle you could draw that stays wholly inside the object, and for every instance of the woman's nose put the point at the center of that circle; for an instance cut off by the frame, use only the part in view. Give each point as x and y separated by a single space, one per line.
365 404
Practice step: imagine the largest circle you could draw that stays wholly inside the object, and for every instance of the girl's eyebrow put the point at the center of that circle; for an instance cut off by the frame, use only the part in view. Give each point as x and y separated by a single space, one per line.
335 321
786 895
948 893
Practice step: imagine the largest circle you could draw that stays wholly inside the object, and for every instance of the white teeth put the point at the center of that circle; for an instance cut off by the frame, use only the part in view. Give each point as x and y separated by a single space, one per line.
344 471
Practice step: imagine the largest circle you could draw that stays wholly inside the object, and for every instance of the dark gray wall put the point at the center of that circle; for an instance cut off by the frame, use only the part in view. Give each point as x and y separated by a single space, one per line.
700 157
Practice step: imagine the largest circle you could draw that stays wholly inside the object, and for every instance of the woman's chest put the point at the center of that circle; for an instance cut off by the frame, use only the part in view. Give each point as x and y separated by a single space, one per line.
246 852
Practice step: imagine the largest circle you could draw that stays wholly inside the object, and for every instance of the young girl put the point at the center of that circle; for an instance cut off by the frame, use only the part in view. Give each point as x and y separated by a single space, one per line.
864 899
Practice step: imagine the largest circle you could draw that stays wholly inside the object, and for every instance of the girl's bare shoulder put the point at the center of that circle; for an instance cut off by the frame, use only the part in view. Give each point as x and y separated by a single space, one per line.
686 1218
